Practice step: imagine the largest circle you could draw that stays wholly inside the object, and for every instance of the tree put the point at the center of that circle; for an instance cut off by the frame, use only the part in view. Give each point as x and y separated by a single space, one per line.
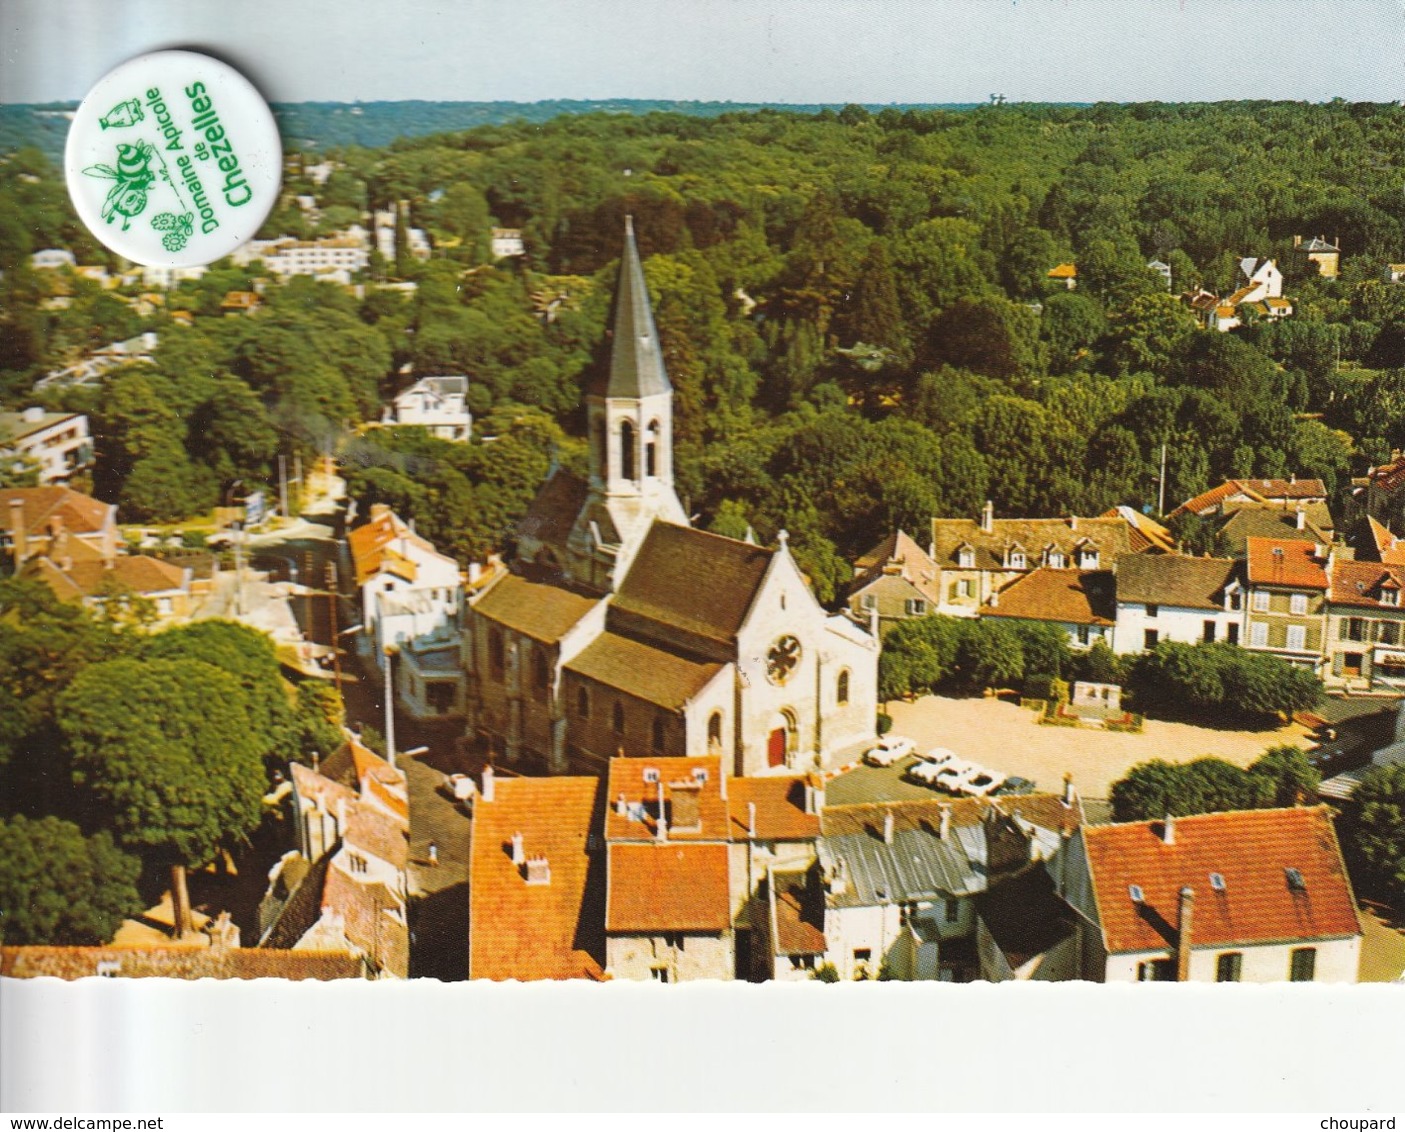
1380 822
166 747
989 655
1284 776
59 887
1157 788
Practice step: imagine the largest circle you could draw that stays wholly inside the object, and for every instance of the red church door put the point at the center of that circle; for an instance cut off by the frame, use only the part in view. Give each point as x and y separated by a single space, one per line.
775 750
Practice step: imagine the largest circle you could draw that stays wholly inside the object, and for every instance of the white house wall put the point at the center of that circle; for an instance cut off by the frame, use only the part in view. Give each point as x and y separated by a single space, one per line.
1338 961
1172 623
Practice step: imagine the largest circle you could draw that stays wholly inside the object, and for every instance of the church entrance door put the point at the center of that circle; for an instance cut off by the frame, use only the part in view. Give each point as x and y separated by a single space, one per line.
775 749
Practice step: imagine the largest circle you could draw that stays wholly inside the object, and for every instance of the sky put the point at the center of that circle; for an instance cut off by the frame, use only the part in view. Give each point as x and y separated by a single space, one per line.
872 51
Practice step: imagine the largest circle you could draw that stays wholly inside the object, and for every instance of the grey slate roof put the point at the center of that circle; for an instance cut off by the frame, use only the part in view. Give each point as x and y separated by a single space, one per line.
916 866
636 366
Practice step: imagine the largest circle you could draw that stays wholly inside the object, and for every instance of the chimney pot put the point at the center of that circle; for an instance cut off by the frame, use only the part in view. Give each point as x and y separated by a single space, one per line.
888 828
1168 830
751 820
519 857
1069 793
538 870
485 793
944 830
988 517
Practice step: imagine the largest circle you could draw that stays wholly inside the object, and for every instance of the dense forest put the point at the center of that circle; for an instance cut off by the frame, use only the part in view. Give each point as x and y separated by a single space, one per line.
855 307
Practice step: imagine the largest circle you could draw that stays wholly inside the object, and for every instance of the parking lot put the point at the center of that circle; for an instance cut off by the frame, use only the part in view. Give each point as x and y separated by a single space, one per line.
1005 737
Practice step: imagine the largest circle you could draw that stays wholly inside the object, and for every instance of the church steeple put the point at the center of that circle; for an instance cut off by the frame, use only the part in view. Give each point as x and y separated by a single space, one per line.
636 366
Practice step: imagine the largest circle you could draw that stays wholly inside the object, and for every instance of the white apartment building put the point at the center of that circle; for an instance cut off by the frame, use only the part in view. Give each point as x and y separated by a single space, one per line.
59 443
438 404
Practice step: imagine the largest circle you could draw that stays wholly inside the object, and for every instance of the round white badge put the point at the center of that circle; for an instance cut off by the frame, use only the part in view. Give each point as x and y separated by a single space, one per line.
173 159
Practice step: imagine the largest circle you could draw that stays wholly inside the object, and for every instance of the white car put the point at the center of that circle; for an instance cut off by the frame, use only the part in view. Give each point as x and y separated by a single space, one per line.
981 783
889 750
936 767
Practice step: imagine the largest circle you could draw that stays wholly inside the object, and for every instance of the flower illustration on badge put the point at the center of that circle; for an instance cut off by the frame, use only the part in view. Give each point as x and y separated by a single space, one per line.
134 177
178 229
127 113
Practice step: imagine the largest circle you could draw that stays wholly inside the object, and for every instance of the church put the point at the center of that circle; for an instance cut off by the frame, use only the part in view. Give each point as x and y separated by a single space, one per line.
621 629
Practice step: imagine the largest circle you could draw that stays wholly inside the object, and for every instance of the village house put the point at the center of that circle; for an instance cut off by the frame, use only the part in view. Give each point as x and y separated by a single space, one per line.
34 517
57 445
894 581
410 593
345 884
901 879
1082 604
1319 255
1255 896
601 638
507 242
167 589
1285 494
536 885
437 404
89 369
1378 494
977 558
52 259
1365 640
1065 275
1173 597
1148 536
1286 582
669 909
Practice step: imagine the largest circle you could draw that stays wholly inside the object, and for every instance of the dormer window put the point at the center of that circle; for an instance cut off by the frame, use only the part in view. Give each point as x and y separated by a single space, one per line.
1057 559
1390 596
1015 559
1088 559
966 558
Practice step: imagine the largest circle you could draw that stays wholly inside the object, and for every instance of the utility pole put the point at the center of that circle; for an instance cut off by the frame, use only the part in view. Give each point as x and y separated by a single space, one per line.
389 707
300 493
332 591
1161 499
283 484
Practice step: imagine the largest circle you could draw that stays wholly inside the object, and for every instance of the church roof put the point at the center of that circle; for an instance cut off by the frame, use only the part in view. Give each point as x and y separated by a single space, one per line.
702 583
554 510
636 366
535 609
658 676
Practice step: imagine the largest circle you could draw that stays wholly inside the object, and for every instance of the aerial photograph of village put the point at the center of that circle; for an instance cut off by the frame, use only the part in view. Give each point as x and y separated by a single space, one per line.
671 540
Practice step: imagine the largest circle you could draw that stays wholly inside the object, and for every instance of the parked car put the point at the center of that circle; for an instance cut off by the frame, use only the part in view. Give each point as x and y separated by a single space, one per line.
1014 784
929 764
981 783
889 750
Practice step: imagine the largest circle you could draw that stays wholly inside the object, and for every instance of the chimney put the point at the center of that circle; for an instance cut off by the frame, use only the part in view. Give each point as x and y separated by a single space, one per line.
1069 793
687 809
1183 928
224 934
538 870
994 599
519 857
661 831
1168 830
1301 519
1073 522
19 536
814 795
341 816
751 820
621 805
485 792
988 517
944 830
888 828
475 571
1297 241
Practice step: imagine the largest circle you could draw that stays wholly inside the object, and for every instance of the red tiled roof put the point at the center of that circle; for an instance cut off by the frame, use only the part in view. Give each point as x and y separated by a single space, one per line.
81 514
627 780
374 549
1388 548
1252 850
1388 477
1076 597
1285 562
668 887
799 917
178 961
1064 271
536 931
780 809
140 573
1363 583
372 920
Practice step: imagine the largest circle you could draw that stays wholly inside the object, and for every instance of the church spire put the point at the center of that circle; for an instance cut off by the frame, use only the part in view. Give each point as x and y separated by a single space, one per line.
636 366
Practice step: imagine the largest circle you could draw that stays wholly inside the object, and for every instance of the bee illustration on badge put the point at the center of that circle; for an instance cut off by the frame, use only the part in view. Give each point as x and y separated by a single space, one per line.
133 176
177 228
127 113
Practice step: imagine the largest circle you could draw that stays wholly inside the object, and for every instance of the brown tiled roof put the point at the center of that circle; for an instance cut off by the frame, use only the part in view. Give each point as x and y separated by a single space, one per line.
319 788
627 780
1364 583
86 578
553 512
1174 579
1252 850
1044 810
1386 547
538 610
81 514
372 919
537 931
1146 533
1388 477
693 580
176 962
1285 562
377 833
1110 537
780 809
1274 521
799 917
898 554
668 887
660 676
1259 490
1077 597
